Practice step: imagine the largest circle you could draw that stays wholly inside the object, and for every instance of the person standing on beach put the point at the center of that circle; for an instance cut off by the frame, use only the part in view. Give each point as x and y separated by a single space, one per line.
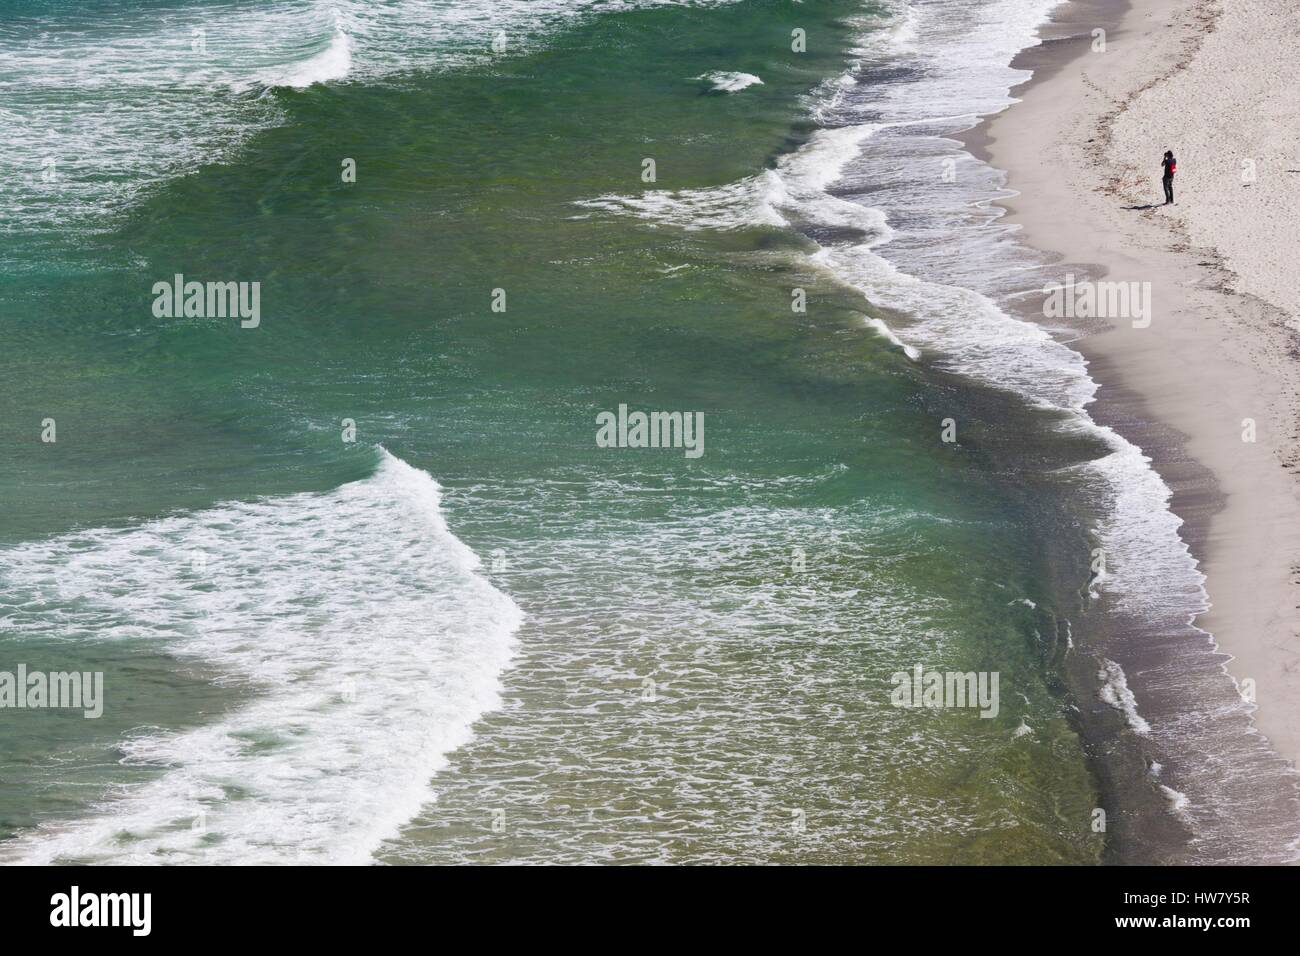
1170 166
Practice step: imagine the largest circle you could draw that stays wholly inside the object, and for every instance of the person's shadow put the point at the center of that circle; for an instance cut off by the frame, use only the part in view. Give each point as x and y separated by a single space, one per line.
1150 205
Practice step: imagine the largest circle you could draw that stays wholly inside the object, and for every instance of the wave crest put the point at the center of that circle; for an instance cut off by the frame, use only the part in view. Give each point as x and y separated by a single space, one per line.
357 619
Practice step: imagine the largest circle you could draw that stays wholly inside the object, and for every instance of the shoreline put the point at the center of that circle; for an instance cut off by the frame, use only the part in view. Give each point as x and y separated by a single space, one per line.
1212 356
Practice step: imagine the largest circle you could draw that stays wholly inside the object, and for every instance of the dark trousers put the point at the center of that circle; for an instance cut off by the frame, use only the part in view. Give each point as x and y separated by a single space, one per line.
1169 188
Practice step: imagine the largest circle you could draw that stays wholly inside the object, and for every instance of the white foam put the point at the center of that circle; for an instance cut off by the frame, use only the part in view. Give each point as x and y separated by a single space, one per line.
1179 804
962 68
729 82
1150 570
1115 691
124 99
740 205
332 63
879 325
967 332
357 620
785 196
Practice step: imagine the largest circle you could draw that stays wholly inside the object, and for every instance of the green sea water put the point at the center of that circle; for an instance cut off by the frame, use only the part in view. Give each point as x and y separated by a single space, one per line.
702 672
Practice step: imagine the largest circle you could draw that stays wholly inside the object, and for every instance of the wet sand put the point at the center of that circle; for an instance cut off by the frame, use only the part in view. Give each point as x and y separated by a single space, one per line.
1220 358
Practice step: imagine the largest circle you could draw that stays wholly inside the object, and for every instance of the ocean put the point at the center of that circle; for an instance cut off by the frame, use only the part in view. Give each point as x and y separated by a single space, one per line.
364 585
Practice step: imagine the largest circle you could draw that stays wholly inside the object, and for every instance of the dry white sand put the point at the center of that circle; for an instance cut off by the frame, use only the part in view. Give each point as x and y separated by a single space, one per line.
1234 113
1218 82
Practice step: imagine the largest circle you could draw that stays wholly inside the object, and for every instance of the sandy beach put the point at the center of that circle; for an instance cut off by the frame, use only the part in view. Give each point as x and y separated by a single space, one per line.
1208 390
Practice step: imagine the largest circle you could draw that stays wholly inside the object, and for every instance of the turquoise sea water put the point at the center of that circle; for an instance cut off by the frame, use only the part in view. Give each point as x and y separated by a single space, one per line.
472 634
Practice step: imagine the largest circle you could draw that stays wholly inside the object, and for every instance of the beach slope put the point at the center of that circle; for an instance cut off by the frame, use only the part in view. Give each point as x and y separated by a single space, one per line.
1208 389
